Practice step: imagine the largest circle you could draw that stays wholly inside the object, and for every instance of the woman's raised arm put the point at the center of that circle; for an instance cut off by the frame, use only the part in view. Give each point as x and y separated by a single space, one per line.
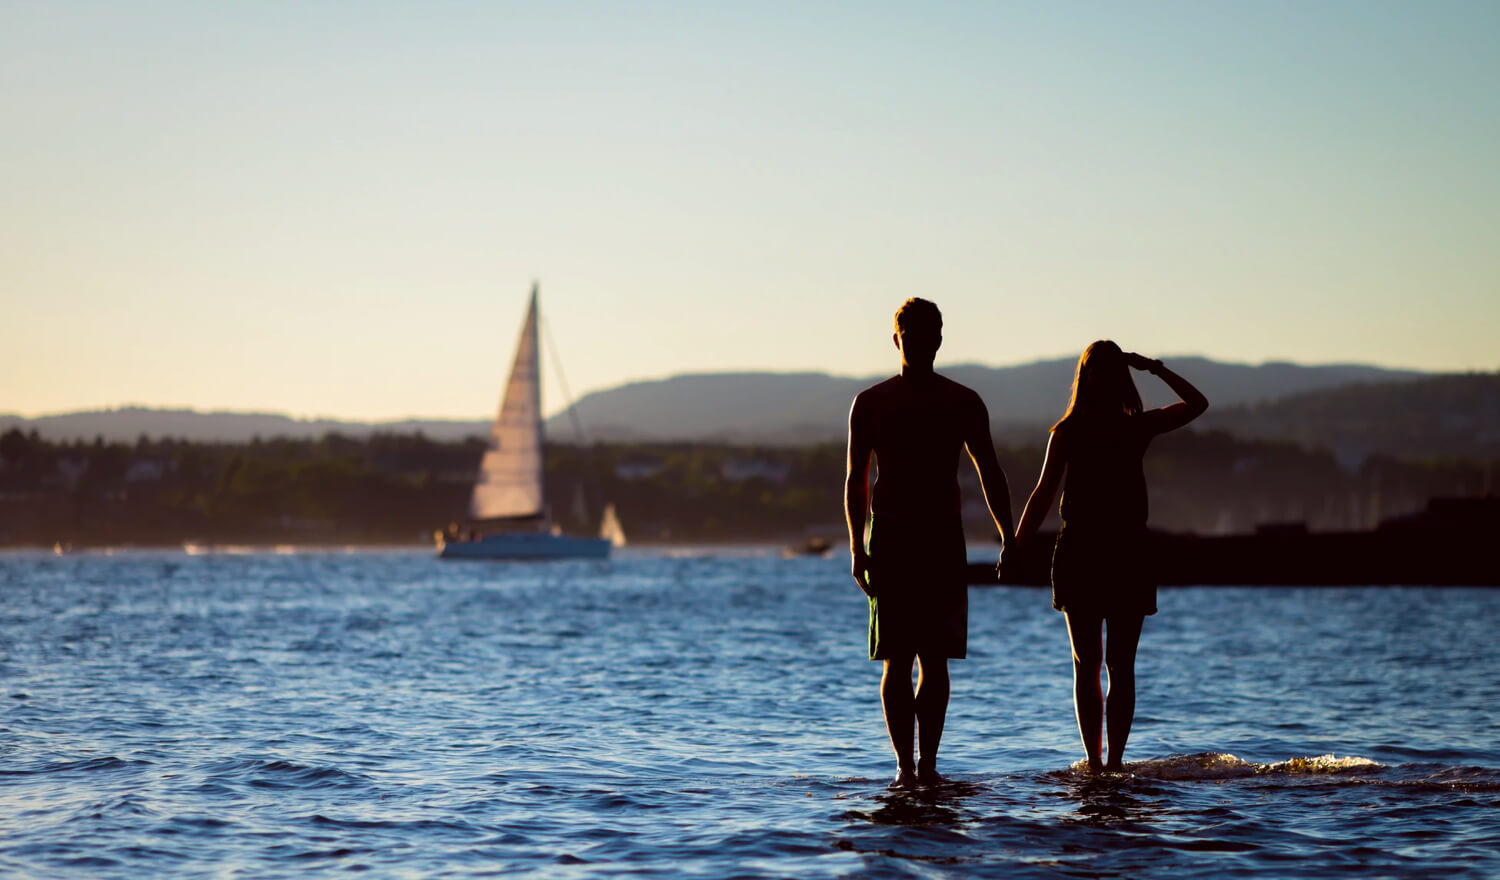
1191 405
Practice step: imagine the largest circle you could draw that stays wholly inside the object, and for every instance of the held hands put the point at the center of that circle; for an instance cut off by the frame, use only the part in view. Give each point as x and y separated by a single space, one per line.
1019 557
1140 362
1010 554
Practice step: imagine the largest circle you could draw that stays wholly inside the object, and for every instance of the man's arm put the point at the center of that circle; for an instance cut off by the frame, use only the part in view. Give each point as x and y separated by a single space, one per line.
991 478
857 491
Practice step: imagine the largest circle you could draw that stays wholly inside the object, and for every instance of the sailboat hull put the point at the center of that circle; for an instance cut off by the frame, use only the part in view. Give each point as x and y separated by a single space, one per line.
527 546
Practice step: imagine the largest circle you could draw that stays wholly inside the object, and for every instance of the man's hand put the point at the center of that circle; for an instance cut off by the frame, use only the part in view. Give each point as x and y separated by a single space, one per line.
1000 560
860 568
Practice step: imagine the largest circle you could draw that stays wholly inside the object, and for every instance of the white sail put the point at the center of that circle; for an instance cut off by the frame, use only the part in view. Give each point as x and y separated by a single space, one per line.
510 474
610 529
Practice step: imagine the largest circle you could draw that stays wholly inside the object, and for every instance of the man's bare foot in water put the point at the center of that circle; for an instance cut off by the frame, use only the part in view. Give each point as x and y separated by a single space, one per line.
906 778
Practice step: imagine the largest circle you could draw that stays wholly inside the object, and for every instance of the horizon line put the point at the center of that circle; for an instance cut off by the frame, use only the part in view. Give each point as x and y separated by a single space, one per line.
372 420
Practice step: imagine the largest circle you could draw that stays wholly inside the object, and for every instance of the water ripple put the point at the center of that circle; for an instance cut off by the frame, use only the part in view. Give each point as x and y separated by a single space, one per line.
710 714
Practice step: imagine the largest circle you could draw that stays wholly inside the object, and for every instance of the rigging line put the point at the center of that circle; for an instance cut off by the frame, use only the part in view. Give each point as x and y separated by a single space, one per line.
590 475
562 379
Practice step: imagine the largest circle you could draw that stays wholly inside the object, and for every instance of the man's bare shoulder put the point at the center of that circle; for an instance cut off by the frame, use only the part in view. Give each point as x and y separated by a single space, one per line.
875 393
959 393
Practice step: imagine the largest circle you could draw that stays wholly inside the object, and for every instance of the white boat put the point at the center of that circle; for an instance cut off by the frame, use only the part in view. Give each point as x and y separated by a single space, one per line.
508 506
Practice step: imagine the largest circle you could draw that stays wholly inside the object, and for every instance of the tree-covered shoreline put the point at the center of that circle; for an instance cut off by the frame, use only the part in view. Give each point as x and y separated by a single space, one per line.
395 489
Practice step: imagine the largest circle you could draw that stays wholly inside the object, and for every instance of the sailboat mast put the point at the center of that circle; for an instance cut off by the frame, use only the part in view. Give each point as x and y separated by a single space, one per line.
533 323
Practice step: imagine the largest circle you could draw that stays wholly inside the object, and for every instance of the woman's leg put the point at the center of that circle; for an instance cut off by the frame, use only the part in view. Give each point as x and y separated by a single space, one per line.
1088 703
1119 658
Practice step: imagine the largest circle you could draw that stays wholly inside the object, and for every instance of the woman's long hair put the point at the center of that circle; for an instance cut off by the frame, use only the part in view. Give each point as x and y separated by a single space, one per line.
1102 387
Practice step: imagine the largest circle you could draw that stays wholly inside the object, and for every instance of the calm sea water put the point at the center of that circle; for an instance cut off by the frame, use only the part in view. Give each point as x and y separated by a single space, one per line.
711 715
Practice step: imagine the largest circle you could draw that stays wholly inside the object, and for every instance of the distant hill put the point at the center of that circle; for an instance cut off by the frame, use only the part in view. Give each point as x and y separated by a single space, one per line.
770 408
783 408
1452 416
128 423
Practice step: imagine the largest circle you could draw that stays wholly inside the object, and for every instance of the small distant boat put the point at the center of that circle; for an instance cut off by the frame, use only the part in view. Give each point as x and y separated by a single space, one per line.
201 548
508 507
816 545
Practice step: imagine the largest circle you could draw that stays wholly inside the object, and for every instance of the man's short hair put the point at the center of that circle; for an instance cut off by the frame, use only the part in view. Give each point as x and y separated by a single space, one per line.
920 316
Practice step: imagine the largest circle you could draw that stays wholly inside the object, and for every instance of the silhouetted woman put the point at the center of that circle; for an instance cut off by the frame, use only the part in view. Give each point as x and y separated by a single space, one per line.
1100 571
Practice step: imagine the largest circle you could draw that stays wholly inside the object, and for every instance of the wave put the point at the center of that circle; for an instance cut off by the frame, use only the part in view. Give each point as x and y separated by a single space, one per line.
1219 766
1222 765
279 774
82 765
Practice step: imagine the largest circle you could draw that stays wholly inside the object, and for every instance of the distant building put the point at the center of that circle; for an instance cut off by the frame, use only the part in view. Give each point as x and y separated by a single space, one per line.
639 467
147 470
737 470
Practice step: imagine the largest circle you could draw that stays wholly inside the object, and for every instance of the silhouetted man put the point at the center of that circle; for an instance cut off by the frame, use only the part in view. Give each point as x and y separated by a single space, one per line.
913 571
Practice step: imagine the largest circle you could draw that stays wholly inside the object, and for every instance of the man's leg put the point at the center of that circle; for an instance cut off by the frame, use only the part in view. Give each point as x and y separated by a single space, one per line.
1119 706
900 714
1088 703
932 708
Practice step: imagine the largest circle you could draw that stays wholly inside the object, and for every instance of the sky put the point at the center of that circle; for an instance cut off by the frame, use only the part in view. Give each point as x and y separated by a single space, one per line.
338 209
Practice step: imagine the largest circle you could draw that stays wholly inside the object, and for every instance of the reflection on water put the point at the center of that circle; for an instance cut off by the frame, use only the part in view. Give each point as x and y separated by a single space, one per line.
928 805
1115 798
1341 811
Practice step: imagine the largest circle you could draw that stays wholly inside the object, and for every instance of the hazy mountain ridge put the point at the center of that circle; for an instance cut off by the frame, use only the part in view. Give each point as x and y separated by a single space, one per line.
1277 400
780 408
1448 416
128 423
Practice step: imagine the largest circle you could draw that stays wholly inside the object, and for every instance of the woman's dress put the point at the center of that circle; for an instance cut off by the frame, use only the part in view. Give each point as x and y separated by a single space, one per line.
1101 563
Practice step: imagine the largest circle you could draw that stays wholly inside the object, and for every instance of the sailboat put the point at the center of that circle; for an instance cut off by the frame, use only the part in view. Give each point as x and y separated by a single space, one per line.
508 505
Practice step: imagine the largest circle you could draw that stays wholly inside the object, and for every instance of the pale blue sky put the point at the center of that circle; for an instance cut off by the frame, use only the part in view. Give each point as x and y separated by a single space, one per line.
338 209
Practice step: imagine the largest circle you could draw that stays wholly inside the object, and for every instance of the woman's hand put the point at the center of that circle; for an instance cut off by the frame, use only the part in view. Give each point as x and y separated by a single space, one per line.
1141 362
